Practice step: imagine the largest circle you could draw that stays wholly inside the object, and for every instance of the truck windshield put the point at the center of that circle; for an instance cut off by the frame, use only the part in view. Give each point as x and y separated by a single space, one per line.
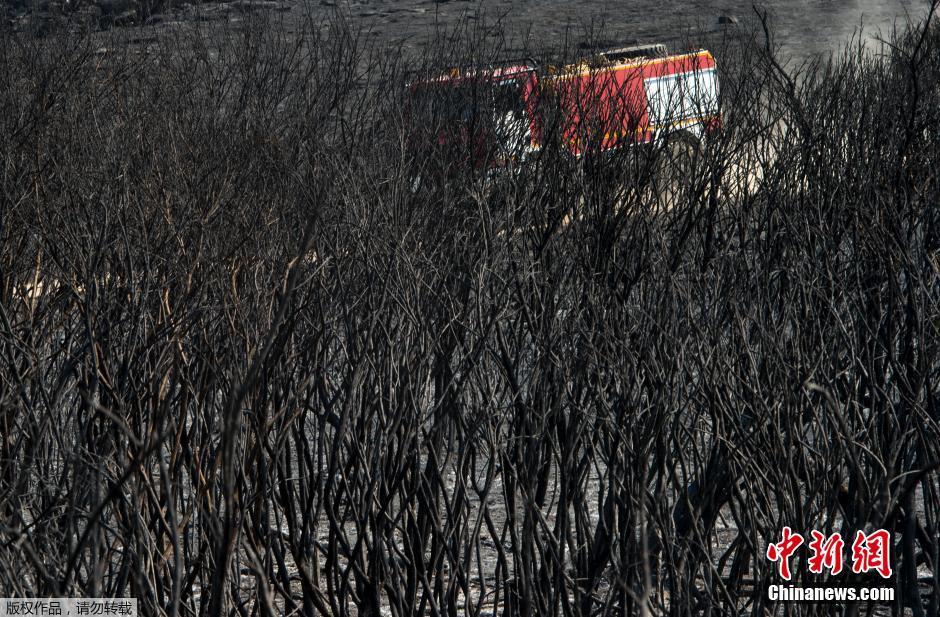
468 101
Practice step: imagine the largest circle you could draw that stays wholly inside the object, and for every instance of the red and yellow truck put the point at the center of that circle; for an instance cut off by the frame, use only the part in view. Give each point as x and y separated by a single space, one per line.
624 96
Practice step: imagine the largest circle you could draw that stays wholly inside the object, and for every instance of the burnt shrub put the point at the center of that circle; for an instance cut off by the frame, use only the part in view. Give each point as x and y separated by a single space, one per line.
249 365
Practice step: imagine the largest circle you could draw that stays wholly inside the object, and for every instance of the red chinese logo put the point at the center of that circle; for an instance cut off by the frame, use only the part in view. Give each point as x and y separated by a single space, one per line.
784 549
870 552
827 553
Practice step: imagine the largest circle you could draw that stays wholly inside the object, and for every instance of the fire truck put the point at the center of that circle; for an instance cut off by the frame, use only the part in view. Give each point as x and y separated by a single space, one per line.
504 114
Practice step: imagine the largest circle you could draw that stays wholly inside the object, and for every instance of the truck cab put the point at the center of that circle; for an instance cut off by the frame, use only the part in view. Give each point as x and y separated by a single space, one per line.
480 117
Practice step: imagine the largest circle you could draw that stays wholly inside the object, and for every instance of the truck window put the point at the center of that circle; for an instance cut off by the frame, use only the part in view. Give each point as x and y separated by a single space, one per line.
469 101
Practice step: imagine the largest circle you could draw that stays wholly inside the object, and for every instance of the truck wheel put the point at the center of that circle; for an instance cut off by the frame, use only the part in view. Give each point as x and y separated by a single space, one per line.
677 163
683 150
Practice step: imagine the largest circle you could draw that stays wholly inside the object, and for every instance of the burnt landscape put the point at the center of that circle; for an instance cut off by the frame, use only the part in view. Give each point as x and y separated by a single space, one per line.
268 347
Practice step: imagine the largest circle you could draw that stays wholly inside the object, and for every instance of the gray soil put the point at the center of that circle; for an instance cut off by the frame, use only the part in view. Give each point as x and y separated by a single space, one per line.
801 27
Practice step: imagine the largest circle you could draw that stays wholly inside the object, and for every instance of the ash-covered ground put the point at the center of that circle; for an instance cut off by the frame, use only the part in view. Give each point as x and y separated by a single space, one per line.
801 28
